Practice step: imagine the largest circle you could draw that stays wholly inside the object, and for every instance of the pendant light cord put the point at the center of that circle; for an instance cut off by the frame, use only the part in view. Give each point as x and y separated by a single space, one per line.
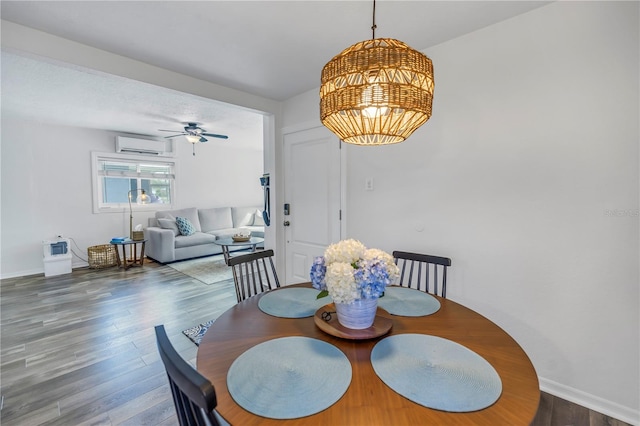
373 27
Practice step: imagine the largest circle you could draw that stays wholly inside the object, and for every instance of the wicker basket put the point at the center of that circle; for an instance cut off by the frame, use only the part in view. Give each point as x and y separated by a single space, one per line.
102 256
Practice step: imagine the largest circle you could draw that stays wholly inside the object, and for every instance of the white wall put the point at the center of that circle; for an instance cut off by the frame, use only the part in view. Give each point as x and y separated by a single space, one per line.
29 41
47 188
527 177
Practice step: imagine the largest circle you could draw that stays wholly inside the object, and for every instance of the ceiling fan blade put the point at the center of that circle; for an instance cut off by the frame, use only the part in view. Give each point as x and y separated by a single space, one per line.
202 139
213 135
175 136
172 131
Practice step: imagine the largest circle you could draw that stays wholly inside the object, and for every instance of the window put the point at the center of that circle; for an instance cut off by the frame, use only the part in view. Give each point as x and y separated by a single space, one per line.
115 175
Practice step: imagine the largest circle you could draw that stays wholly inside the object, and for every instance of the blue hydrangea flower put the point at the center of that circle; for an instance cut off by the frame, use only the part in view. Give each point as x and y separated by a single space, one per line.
317 273
371 277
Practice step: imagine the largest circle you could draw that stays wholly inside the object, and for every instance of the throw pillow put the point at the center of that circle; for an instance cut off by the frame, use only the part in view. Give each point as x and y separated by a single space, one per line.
258 219
185 226
167 223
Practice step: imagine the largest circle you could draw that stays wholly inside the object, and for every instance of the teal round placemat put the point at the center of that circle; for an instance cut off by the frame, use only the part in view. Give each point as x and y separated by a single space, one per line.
408 302
289 377
293 302
436 372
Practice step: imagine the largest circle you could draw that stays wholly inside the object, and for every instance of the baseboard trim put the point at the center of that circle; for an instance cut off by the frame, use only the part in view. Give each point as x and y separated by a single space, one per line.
592 402
39 271
25 273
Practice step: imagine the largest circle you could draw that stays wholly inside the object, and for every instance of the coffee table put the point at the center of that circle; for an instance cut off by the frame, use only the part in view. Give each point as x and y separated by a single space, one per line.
225 243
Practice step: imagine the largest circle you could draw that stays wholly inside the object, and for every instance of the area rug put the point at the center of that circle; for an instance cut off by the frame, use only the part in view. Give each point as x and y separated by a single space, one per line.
195 333
209 269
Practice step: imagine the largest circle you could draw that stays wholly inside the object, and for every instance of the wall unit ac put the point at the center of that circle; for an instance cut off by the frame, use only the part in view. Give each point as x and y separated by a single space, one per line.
126 145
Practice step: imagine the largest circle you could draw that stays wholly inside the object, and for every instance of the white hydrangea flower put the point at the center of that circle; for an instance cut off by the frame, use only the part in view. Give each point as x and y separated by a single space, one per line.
345 251
341 283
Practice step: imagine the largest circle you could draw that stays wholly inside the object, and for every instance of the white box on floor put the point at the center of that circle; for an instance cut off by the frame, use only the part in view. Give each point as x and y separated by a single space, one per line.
57 265
57 257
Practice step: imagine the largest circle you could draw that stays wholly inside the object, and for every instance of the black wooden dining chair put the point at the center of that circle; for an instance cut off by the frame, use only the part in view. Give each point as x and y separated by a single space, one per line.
193 395
419 271
253 273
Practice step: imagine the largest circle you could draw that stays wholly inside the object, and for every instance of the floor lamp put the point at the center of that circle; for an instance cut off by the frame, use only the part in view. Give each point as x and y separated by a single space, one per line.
143 198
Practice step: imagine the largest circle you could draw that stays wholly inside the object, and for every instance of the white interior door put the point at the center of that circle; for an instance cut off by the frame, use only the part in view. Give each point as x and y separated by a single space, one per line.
312 190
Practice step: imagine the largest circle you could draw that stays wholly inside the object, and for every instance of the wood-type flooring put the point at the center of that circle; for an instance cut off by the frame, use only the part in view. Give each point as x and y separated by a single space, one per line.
79 349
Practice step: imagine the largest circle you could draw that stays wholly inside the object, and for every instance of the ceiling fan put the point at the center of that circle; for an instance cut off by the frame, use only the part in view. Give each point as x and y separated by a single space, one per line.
194 134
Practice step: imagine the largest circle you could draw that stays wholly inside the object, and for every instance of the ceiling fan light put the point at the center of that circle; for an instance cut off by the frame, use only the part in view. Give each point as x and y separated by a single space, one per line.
193 138
376 92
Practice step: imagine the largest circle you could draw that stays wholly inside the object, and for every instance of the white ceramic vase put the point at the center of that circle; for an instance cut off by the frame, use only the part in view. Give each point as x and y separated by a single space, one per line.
357 315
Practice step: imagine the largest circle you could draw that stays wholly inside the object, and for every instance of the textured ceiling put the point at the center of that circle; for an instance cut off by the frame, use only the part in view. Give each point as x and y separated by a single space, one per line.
54 93
274 49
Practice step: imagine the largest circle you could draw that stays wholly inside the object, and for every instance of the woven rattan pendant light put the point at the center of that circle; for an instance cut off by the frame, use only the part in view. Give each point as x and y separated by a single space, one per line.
376 92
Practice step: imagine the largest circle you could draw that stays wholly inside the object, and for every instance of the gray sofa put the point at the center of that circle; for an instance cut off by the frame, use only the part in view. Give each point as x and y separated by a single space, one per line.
166 244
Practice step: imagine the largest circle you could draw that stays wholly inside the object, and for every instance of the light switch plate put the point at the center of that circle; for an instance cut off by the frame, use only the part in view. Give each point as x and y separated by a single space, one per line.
368 184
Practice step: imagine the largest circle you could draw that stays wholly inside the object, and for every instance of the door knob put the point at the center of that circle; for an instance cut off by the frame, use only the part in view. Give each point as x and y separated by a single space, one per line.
286 223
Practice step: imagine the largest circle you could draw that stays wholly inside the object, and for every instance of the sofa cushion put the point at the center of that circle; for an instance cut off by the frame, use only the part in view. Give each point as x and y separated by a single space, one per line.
258 220
224 233
167 223
185 227
242 216
256 231
189 213
195 239
216 218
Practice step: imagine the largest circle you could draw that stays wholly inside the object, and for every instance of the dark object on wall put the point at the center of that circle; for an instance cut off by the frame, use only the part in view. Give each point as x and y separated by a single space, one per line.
264 181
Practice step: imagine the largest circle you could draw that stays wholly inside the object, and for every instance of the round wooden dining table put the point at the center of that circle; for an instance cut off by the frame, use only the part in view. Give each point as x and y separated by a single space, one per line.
368 400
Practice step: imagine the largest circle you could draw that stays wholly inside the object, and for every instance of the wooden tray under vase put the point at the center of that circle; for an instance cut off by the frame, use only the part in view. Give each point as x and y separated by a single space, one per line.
381 325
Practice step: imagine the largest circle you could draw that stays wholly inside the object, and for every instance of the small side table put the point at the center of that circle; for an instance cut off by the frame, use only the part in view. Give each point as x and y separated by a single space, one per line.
133 253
